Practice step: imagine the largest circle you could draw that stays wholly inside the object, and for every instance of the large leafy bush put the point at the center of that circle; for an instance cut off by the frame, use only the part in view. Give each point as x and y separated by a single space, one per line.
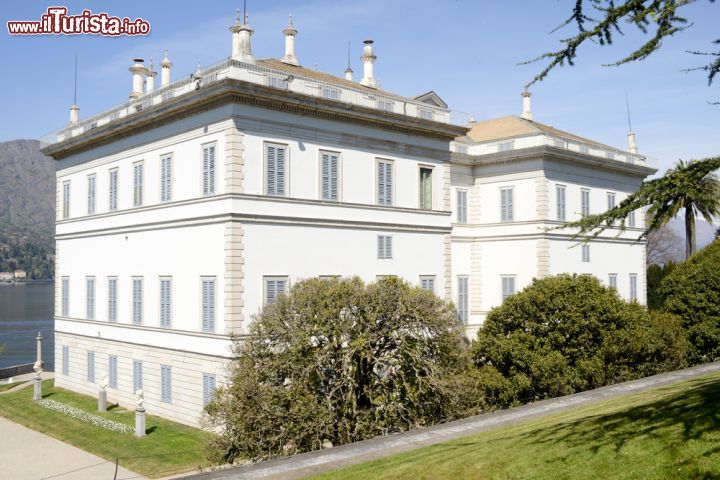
339 361
566 334
692 291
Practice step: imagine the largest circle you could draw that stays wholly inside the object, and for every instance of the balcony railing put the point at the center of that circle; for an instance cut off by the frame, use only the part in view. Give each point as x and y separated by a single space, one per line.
595 150
260 75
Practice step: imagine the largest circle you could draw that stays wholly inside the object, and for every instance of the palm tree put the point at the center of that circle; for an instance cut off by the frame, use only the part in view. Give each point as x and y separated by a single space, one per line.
690 185
697 195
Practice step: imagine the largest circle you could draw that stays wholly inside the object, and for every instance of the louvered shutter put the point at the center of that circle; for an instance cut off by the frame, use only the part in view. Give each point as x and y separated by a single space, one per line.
209 170
208 387
462 206
270 291
334 175
208 305
388 183
90 298
91 367
137 301
165 383
381 246
462 306
137 375
270 169
113 190
381 183
112 299
65 294
280 171
165 303
65 360
112 371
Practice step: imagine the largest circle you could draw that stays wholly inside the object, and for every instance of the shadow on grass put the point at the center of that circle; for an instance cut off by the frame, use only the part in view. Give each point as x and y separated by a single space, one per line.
46 395
672 420
150 430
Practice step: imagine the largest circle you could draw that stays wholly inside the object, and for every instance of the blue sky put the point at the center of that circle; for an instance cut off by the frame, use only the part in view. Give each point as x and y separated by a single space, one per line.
466 50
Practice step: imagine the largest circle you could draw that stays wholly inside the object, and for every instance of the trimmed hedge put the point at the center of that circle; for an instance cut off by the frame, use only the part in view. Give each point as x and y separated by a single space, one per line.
692 291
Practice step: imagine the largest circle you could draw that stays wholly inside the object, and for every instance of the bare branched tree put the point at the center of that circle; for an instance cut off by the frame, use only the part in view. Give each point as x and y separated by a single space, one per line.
664 246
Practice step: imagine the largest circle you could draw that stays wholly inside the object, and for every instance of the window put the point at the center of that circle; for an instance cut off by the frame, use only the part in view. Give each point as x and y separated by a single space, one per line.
112 371
208 304
90 298
506 146
329 173
560 143
275 169
274 286
137 301
426 188
91 367
427 282
330 92
112 299
384 247
208 386
610 155
462 299
65 296
585 202
586 253
277 82
584 149
631 219
560 202
113 189
91 194
508 285
387 105
165 302
425 114
610 200
138 184
633 287
384 182
165 384
66 200
612 280
137 375
166 178
462 206
208 169
65 360
506 204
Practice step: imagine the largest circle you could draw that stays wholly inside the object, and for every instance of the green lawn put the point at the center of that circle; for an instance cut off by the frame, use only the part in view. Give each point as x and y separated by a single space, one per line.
667 433
168 447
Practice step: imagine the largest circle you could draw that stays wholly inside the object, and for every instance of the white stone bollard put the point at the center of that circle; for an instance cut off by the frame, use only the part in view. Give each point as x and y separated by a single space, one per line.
37 392
102 401
139 422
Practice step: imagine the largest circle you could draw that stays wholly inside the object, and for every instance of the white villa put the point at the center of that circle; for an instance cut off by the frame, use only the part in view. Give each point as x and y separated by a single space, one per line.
184 210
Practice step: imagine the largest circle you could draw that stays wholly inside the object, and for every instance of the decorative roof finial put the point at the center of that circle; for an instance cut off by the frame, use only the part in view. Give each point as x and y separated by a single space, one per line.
526 111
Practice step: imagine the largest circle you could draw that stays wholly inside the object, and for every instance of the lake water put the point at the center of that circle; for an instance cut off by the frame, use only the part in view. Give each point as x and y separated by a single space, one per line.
25 311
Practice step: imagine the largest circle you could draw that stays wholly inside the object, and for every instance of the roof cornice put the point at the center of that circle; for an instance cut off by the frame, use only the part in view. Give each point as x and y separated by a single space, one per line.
229 91
550 152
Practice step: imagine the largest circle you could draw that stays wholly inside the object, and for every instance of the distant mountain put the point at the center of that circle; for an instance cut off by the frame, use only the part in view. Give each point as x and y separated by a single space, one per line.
27 207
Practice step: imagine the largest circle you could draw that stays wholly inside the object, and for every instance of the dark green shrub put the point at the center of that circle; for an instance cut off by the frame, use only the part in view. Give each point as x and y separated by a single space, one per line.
339 361
566 334
692 291
655 275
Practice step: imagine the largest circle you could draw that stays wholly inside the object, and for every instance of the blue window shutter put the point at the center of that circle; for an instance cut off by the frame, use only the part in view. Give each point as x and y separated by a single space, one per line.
165 383
112 371
208 387
65 360
91 367
208 305
280 171
137 375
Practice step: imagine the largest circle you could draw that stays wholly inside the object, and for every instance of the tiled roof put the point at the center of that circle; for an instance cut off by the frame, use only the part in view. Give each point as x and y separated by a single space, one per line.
514 126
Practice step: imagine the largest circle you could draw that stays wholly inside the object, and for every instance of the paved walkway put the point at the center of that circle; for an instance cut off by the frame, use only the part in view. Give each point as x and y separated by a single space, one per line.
302 465
29 455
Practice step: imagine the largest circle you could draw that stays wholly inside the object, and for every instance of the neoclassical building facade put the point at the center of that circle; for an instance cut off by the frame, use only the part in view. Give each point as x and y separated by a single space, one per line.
184 210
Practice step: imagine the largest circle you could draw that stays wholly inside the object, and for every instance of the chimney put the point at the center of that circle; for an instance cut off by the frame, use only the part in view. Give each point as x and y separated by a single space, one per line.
241 43
348 74
526 112
165 66
290 33
632 146
74 113
138 71
368 58
150 82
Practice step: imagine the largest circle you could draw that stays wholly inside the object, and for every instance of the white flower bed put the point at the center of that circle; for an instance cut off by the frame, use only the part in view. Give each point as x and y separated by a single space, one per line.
84 416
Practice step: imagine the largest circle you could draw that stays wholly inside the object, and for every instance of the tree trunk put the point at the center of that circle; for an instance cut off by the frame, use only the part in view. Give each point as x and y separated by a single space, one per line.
689 231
